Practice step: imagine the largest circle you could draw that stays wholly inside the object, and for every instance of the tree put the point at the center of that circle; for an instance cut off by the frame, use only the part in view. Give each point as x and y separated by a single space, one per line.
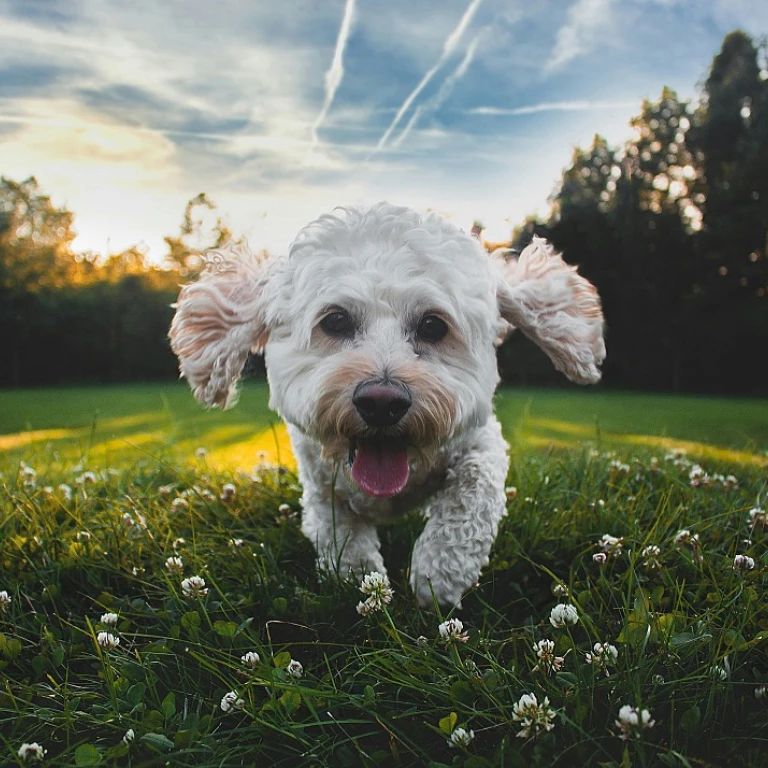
196 237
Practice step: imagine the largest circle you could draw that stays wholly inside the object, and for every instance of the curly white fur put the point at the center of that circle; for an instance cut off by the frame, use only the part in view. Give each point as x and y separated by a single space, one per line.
387 268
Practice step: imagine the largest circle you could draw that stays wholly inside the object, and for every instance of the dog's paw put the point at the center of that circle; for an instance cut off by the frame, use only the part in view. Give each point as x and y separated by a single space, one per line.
429 591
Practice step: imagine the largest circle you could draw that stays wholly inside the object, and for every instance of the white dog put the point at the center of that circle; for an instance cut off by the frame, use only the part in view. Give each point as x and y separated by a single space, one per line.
379 331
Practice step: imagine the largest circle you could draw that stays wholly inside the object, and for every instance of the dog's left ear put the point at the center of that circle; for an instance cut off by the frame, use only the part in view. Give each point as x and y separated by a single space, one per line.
218 321
556 308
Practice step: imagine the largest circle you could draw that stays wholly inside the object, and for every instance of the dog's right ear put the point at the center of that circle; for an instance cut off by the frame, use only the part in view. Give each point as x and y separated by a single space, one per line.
556 308
218 321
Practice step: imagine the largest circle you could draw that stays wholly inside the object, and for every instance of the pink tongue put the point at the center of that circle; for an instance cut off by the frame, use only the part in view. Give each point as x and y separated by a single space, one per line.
381 468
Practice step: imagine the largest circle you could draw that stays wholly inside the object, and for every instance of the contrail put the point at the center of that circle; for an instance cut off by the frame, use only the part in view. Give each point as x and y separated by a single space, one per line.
445 91
448 48
335 72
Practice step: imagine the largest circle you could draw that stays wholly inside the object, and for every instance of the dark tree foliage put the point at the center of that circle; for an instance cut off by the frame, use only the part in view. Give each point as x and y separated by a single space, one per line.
673 230
71 318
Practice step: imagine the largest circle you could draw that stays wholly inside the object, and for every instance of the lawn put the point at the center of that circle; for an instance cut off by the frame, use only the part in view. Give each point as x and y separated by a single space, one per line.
161 607
118 425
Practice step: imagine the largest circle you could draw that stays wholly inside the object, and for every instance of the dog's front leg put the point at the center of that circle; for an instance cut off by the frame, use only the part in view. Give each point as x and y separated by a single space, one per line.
463 521
345 543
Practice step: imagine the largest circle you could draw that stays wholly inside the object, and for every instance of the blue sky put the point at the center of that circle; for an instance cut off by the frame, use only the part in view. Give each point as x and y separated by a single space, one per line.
282 110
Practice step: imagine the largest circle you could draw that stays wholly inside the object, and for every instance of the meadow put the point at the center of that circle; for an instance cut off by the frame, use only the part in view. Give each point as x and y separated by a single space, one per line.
159 605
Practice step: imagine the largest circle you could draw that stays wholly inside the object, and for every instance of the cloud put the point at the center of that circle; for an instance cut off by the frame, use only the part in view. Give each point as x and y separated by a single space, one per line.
335 74
449 46
552 106
433 104
587 20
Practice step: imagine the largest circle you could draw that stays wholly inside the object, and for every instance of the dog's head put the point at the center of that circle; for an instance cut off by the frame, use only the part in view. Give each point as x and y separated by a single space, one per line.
379 330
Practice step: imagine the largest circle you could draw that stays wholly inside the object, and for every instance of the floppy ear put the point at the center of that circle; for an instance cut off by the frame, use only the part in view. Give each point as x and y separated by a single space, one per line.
218 321
556 308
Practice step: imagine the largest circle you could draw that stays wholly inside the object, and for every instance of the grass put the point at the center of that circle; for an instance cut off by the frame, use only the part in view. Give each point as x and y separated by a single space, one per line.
691 634
120 425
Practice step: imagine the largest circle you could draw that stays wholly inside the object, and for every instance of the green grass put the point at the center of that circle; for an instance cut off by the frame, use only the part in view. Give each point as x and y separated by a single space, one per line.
691 635
119 425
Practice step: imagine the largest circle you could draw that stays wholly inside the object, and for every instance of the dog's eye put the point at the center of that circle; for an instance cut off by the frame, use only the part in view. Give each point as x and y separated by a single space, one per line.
431 328
338 323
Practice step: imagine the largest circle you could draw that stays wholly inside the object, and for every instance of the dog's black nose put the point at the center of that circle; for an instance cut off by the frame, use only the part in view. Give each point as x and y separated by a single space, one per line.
381 404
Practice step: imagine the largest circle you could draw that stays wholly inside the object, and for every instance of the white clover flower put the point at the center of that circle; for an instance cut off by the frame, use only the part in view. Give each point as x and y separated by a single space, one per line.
611 545
174 565
179 503
295 669
633 721
194 587
651 557
129 736
127 520
228 492
619 466
201 453
5 600
236 543
179 543
603 655
87 478
250 659
560 590
32 753
379 593
757 516
422 641
698 477
510 492
66 491
452 630
548 662
231 702
166 490
460 737
532 716
107 640
743 563
207 494
28 477
718 673
284 509
727 481
563 615
600 558
110 619
685 538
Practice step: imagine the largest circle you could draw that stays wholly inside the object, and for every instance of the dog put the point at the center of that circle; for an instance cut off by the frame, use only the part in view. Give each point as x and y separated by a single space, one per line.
379 331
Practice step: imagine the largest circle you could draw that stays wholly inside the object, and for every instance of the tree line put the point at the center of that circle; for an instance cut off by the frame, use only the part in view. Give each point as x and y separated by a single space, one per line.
672 228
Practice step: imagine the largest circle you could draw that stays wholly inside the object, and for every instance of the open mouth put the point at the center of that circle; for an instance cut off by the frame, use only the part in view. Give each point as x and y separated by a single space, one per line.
379 465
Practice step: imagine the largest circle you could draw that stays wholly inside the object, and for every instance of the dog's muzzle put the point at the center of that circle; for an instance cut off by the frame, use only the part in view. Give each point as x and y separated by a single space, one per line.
381 403
379 461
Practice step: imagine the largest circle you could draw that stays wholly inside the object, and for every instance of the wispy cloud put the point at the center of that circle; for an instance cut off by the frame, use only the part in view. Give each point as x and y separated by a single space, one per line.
433 104
450 45
551 106
587 20
335 73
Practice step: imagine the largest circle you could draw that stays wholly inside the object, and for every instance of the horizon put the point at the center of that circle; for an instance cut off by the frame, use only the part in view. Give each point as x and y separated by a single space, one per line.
123 114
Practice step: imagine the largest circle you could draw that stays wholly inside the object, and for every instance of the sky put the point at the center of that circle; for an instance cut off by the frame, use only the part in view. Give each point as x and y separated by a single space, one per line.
280 111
